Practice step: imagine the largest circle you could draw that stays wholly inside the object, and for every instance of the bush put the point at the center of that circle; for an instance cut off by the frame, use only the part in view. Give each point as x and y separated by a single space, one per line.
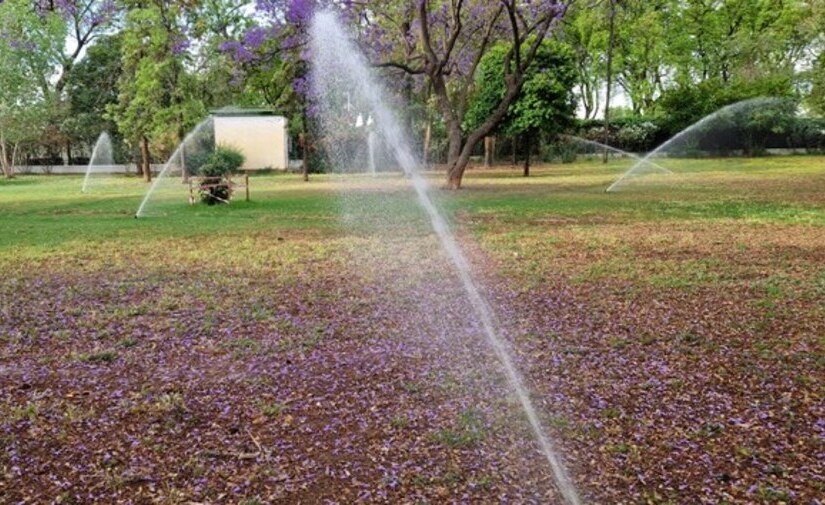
560 150
809 133
215 186
634 134
637 136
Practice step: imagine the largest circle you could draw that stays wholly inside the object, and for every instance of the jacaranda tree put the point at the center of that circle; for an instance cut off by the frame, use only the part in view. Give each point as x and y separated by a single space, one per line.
441 41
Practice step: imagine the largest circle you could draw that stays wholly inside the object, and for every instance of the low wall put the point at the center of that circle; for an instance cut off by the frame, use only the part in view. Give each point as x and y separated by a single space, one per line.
80 169
103 169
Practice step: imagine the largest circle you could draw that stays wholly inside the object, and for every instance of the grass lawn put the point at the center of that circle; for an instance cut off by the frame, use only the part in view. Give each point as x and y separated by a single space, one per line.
313 346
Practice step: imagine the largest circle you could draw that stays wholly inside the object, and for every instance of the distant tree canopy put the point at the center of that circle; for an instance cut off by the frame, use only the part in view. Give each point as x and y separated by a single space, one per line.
683 105
665 44
149 70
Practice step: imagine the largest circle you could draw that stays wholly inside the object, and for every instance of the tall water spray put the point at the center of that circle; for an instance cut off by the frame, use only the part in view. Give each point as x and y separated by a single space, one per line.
682 140
101 160
199 140
339 69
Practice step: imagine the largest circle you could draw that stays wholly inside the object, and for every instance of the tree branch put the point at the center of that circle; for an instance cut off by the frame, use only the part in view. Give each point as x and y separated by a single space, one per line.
432 59
400 66
456 31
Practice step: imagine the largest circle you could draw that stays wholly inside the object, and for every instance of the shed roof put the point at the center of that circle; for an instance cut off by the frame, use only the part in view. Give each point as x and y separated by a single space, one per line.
233 111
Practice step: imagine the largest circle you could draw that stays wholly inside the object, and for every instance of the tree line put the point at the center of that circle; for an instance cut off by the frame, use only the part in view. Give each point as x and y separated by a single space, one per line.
148 71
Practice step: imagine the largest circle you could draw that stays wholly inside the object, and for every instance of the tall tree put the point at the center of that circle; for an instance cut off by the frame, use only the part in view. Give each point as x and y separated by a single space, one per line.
155 104
27 42
91 88
443 41
546 105
86 20
450 39
641 43
611 47
583 28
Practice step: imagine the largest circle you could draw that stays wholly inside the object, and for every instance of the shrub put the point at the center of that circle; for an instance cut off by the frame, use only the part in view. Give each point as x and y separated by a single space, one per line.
560 150
215 186
628 133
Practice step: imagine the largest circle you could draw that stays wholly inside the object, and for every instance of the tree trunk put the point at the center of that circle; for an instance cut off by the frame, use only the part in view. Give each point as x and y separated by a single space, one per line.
68 152
14 156
611 43
3 161
305 145
8 167
515 150
489 147
453 123
428 136
184 171
459 151
456 171
528 146
454 148
302 140
144 159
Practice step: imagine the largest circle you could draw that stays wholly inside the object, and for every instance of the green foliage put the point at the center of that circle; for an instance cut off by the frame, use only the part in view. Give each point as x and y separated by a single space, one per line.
816 99
809 134
156 99
30 47
546 103
223 161
92 87
212 23
586 33
215 186
660 44
681 106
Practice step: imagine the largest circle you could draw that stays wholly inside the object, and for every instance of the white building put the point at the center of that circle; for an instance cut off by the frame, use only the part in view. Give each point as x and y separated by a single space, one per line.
257 133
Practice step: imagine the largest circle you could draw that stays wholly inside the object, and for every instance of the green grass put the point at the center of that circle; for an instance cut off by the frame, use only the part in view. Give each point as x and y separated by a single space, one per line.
47 217
49 211
780 189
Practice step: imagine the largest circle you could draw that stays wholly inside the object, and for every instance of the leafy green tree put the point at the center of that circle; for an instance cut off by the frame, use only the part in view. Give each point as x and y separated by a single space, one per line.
682 106
27 42
546 105
212 24
641 39
584 30
91 88
155 105
737 38
816 98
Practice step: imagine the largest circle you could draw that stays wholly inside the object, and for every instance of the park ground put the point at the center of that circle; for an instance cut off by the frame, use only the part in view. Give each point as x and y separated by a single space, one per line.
309 346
